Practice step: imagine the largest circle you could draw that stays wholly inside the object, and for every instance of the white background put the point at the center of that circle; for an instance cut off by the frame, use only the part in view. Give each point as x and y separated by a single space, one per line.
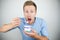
47 9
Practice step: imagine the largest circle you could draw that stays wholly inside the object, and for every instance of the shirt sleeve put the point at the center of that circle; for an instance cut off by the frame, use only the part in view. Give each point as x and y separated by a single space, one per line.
44 29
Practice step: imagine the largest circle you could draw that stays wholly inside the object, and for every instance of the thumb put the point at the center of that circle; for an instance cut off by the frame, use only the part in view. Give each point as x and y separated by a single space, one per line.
33 30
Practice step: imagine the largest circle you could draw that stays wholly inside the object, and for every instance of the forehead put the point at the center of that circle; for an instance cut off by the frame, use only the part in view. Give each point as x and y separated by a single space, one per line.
29 7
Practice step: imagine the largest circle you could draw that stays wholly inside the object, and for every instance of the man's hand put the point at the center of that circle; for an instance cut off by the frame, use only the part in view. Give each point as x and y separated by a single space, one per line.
34 34
16 22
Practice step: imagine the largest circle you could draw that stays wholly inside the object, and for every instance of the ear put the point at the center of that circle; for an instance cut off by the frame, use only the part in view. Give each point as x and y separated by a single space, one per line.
35 13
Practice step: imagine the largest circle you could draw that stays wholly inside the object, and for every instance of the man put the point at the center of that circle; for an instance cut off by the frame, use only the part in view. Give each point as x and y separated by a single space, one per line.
38 25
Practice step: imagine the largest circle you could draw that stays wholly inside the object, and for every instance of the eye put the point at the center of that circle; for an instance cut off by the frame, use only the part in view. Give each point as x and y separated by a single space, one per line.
26 11
31 11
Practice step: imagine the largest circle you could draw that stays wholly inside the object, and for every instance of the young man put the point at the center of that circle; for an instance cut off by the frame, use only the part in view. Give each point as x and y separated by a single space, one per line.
38 25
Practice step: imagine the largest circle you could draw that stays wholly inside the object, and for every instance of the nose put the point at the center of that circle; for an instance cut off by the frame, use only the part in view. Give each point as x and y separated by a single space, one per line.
29 14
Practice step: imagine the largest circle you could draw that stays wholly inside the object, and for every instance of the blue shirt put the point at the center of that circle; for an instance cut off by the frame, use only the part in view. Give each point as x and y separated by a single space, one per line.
39 26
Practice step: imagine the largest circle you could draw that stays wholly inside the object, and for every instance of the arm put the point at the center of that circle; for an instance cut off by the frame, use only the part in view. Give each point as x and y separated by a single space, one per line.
41 37
6 27
34 34
15 22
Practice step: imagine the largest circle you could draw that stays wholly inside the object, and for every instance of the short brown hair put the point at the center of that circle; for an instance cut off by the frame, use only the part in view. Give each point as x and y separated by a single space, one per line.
30 3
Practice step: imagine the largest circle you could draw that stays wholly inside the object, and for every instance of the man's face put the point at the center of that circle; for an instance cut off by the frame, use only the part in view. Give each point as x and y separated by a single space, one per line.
29 12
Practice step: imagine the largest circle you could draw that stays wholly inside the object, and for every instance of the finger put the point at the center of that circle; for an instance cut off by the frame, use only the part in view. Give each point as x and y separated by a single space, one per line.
27 33
17 18
15 22
24 31
33 30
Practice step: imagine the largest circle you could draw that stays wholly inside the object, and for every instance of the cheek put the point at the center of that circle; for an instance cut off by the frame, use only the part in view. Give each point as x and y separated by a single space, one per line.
25 15
34 14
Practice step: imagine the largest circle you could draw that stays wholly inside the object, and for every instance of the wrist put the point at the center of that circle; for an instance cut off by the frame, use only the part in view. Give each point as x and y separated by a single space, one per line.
41 38
37 37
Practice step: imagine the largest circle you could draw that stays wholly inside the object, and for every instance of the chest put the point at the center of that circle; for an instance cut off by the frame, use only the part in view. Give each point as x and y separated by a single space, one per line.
37 27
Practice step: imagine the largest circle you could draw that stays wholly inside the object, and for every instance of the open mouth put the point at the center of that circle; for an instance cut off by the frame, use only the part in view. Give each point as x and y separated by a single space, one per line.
29 19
